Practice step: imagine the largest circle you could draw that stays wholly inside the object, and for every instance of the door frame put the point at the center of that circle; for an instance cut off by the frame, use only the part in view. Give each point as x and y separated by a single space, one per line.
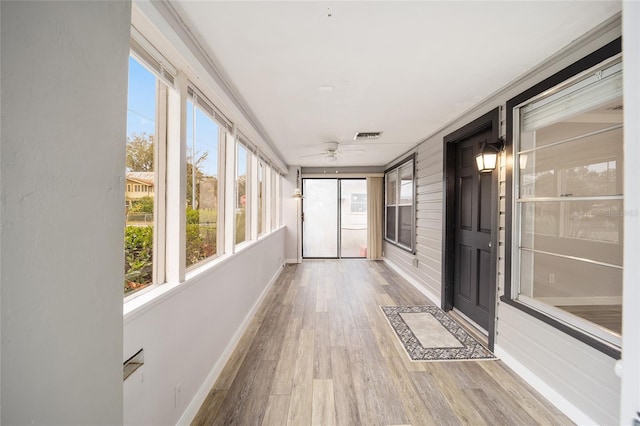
490 120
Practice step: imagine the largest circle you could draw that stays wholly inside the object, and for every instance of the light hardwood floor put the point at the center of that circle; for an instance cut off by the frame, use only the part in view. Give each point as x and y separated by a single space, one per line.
320 352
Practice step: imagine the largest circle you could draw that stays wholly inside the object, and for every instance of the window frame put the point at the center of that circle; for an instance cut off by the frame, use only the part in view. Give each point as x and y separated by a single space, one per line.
395 169
163 85
169 185
247 193
206 107
262 226
554 319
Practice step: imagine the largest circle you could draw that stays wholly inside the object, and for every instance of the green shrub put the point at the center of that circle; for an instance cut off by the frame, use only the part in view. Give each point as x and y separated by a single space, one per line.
143 205
201 242
193 216
138 257
241 225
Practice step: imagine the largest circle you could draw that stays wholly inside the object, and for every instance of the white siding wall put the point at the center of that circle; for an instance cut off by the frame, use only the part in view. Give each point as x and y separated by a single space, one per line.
428 223
580 379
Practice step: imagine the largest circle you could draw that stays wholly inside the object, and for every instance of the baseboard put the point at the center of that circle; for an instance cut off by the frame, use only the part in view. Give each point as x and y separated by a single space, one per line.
429 294
291 260
197 401
568 409
579 301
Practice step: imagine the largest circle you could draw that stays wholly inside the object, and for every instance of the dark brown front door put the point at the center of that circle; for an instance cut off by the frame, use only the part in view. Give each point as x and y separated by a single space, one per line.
473 222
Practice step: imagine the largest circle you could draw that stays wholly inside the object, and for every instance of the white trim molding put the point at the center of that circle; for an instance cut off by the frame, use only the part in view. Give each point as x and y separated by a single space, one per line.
413 281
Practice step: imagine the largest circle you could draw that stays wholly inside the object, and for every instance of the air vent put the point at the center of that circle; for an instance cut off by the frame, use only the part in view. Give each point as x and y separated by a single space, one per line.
366 136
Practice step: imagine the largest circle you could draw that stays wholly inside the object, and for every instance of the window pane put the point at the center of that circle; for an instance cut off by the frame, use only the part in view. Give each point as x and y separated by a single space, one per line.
392 184
274 197
241 194
391 223
406 183
587 290
586 166
203 135
405 228
140 174
279 215
261 198
585 229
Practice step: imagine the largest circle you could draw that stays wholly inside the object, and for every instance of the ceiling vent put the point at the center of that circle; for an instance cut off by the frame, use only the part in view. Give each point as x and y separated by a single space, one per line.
361 136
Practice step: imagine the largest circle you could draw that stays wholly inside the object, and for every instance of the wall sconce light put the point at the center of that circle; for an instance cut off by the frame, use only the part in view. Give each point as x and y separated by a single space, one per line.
297 193
488 158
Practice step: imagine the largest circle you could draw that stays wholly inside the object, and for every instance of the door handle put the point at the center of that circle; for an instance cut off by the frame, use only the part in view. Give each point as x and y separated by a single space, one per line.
490 244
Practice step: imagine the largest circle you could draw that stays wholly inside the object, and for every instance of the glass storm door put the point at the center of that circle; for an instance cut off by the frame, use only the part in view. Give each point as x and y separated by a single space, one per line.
335 218
320 213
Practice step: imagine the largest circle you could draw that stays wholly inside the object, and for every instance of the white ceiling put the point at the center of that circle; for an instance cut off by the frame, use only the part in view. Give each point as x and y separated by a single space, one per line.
403 68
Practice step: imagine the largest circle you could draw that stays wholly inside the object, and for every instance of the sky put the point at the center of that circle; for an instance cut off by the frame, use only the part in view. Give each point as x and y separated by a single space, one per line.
141 116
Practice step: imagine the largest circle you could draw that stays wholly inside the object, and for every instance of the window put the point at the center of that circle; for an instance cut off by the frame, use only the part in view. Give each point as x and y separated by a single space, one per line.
142 112
400 205
262 211
358 203
569 203
277 200
185 194
203 145
242 194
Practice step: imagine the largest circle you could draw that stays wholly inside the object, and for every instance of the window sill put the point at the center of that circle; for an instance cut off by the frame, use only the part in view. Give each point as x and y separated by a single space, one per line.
604 347
160 292
400 246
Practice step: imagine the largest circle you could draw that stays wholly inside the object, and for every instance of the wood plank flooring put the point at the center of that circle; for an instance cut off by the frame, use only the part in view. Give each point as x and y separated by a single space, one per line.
320 352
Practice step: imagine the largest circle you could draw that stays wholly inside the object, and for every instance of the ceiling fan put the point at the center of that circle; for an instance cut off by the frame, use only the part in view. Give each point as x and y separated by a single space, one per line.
331 152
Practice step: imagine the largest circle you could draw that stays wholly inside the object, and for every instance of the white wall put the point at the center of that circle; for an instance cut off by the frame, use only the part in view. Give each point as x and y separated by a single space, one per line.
188 334
64 82
578 378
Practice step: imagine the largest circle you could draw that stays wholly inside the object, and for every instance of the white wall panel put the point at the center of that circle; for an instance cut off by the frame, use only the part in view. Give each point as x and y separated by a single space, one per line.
64 101
188 336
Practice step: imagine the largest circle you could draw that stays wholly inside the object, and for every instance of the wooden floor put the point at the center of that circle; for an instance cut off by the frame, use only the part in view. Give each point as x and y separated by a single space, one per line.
320 351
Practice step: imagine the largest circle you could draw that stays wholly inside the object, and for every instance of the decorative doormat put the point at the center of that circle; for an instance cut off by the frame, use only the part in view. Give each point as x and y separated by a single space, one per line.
428 334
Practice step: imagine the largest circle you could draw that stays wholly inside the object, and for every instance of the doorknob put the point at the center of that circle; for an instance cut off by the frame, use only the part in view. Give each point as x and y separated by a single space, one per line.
490 244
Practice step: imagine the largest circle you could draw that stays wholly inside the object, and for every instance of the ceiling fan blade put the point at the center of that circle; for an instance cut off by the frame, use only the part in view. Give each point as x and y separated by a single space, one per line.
313 155
360 143
352 150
